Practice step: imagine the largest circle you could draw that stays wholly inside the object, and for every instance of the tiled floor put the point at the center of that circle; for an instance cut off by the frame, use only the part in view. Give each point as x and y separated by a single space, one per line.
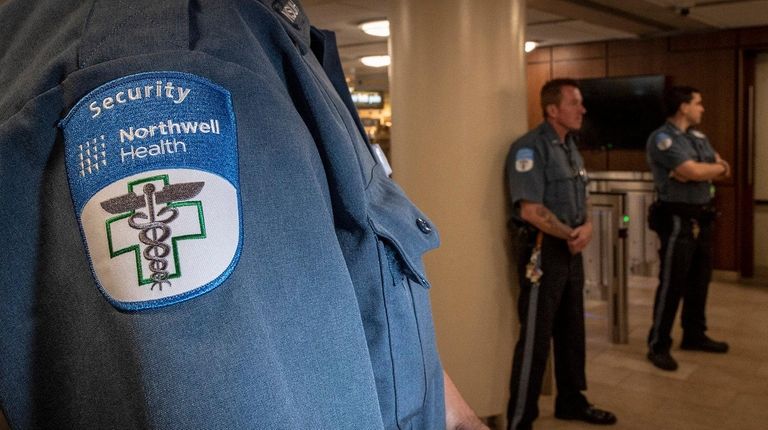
707 392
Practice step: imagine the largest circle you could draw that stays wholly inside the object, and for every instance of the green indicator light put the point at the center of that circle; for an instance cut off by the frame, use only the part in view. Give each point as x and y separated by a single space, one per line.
626 218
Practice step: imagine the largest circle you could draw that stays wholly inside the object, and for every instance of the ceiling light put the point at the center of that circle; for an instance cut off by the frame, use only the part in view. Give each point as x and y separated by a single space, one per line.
378 28
530 45
376 60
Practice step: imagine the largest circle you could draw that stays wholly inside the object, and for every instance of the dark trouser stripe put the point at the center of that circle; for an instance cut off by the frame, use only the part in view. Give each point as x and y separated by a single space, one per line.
665 281
525 371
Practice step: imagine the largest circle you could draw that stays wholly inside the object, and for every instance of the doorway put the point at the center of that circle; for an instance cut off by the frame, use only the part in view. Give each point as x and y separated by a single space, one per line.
760 165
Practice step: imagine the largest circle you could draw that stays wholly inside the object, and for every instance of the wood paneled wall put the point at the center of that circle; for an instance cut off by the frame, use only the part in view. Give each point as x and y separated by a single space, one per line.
708 61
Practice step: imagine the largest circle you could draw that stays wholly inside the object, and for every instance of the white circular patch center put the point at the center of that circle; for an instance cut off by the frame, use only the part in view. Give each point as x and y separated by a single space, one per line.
161 234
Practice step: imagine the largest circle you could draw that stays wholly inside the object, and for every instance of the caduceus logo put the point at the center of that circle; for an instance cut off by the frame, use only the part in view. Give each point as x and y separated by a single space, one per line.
151 214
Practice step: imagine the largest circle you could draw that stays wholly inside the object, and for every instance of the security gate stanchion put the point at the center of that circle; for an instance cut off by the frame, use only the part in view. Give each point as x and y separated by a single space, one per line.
609 260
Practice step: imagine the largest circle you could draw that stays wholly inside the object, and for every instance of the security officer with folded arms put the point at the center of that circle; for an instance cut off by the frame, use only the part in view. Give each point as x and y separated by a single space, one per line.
547 185
683 164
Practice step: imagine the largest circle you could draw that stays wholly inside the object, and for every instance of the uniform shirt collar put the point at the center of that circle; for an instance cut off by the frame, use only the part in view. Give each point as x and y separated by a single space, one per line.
551 135
549 132
673 128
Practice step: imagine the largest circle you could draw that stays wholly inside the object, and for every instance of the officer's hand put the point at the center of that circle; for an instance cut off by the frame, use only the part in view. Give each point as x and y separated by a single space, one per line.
719 160
458 414
580 238
727 173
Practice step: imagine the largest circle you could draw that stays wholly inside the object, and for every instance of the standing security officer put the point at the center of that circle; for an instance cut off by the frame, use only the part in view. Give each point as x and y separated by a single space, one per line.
547 185
683 165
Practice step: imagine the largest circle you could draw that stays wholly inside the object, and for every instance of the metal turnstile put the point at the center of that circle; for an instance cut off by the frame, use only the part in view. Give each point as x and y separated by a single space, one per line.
642 243
605 259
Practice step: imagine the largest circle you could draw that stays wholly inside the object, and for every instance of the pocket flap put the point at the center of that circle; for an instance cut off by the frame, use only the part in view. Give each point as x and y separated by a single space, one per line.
394 218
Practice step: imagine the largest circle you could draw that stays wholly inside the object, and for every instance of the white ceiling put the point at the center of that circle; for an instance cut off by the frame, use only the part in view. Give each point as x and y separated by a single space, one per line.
549 22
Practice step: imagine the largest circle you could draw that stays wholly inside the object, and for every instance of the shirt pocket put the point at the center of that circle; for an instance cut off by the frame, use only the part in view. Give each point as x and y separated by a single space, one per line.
560 189
404 234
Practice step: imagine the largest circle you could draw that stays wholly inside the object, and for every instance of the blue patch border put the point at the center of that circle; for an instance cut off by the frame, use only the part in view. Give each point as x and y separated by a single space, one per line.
524 154
661 136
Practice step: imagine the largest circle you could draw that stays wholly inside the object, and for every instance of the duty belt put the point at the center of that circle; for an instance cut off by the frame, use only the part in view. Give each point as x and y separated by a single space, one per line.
701 213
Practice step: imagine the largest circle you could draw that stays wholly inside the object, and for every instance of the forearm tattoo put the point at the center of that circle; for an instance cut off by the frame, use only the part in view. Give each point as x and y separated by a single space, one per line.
551 224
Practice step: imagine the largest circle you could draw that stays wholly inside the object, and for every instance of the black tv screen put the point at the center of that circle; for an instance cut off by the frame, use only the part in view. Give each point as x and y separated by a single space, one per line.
621 111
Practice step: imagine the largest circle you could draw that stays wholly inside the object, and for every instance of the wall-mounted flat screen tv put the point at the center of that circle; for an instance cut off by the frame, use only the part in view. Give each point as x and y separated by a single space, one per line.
621 111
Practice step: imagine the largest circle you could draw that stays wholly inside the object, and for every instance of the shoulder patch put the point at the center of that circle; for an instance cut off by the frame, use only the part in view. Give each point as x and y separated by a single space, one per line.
663 141
524 159
153 171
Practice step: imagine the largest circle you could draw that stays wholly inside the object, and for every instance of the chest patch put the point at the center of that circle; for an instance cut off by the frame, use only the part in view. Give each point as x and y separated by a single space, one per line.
152 166
524 160
663 141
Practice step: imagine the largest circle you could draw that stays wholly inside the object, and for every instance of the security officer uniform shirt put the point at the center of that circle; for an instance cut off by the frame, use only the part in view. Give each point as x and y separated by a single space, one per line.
197 234
541 169
667 148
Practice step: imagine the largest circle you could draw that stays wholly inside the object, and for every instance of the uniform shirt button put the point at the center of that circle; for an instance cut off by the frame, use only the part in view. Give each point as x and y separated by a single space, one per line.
423 226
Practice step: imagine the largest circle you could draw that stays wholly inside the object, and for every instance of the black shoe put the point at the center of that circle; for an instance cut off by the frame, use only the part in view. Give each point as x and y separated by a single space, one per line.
705 344
589 414
662 360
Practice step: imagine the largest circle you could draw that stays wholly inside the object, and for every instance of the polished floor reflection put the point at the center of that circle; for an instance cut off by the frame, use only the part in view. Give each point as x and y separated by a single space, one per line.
707 392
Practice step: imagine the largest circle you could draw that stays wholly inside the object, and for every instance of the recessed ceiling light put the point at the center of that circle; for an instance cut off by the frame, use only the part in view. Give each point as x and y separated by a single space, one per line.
378 28
376 60
530 45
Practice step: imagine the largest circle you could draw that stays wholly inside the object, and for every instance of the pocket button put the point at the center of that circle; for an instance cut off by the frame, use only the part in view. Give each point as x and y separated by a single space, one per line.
423 226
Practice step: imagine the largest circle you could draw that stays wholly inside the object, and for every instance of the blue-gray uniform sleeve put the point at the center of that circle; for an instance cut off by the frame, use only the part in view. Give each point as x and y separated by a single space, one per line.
667 151
239 147
525 174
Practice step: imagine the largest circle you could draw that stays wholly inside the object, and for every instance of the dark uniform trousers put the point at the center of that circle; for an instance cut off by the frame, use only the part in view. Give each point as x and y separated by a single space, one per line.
685 272
552 310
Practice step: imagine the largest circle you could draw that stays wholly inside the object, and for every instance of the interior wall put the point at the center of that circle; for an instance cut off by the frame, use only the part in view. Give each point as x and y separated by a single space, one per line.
761 164
706 61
